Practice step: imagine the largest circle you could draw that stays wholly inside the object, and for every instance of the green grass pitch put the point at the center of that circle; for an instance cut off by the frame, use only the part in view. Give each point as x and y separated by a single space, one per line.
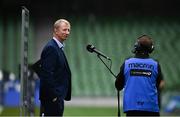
70 111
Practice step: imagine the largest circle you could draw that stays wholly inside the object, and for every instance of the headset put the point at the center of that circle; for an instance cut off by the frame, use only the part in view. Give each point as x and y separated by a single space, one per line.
140 47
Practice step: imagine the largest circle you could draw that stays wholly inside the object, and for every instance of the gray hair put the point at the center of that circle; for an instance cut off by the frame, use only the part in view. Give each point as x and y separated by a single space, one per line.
56 24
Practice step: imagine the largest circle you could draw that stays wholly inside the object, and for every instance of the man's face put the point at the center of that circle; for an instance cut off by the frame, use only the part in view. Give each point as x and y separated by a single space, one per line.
63 31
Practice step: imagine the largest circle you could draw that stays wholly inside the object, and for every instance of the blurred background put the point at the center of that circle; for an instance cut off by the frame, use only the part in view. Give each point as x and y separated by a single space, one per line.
110 25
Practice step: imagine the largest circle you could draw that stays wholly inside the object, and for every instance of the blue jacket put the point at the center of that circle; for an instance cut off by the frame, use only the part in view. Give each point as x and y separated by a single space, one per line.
55 74
140 91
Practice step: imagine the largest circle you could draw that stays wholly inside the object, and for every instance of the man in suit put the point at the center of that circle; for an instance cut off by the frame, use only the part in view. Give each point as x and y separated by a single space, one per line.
54 73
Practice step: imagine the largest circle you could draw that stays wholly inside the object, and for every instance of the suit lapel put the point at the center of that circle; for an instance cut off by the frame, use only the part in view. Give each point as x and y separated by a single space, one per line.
61 53
66 63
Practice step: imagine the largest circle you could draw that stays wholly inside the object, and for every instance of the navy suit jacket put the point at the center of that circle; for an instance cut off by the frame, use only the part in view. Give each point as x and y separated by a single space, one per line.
54 73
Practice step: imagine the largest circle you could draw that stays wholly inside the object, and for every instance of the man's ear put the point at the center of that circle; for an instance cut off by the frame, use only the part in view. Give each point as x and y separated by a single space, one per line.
55 30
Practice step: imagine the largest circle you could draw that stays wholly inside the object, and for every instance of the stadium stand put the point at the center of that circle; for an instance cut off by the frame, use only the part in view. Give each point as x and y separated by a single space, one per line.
115 38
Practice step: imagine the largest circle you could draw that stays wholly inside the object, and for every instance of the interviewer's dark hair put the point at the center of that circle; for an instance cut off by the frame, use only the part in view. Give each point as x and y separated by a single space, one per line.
144 44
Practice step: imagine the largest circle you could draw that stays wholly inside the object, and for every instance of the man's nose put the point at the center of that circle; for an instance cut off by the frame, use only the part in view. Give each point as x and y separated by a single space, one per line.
67 32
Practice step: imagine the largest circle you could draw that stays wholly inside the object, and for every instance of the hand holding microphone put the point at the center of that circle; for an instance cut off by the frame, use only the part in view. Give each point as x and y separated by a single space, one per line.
92 49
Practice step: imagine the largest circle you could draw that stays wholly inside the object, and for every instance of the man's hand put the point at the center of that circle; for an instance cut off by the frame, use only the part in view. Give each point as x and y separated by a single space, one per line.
54 99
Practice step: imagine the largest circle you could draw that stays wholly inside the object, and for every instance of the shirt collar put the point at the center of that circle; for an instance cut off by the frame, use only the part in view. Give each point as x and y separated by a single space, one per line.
60 45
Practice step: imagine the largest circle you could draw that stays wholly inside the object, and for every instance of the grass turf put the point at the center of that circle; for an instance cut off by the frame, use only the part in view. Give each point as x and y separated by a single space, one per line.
69 111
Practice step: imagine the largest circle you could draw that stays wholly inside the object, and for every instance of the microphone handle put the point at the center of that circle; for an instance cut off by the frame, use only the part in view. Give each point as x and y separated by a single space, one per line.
99 53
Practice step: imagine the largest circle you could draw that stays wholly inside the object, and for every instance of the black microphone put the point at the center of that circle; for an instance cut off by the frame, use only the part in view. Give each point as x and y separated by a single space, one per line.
92 49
